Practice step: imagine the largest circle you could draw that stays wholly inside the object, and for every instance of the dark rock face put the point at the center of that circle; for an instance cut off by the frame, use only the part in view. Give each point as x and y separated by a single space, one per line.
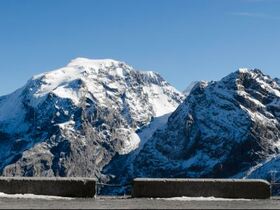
74 120
222 129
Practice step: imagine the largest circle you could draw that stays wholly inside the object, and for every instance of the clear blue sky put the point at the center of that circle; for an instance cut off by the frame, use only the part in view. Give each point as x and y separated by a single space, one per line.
183 40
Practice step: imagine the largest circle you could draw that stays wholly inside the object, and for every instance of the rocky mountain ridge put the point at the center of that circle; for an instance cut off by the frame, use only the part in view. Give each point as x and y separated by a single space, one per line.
227 128
104 119
72 121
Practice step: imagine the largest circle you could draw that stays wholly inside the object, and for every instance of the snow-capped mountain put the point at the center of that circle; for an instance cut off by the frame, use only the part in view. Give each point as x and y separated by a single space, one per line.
103 119
72 121
228 128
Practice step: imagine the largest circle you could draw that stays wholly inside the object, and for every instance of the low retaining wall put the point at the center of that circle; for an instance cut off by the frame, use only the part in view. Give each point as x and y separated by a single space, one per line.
67 187
224 188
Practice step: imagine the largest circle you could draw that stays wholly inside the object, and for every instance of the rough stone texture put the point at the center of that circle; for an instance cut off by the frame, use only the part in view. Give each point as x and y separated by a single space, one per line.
224 129
224 188
67 187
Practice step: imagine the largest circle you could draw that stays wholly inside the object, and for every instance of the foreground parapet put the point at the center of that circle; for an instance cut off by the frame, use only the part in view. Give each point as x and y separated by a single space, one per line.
223 188
56 186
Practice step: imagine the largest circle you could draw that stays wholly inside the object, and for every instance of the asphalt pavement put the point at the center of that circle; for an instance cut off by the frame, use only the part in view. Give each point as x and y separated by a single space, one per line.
136 203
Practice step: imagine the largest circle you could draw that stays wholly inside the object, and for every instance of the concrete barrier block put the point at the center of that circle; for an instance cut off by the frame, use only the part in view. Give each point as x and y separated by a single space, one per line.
56 186
223 188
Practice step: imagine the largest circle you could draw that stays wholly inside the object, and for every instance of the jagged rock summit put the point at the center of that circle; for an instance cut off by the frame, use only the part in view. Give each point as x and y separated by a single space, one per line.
72 121
228 128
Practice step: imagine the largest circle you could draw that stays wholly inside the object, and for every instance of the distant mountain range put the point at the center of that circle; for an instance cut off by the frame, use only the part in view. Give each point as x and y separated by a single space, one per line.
104 119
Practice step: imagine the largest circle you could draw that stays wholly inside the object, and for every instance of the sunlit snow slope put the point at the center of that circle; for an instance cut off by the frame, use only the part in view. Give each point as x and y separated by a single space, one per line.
72 121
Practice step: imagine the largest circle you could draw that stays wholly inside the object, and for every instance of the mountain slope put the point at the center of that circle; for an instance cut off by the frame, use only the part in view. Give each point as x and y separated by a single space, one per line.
222 129
72 121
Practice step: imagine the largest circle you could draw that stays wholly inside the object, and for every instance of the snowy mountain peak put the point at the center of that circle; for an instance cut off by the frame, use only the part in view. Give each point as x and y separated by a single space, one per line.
93 76
251 72
96 63
80 115
223 129
243 70
83 61
245 78
98 78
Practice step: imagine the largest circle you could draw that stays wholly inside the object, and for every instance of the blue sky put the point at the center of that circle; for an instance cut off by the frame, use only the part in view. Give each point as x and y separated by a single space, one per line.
183 40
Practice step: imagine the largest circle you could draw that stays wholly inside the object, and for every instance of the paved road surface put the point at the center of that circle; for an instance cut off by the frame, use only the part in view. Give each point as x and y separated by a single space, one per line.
129 203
